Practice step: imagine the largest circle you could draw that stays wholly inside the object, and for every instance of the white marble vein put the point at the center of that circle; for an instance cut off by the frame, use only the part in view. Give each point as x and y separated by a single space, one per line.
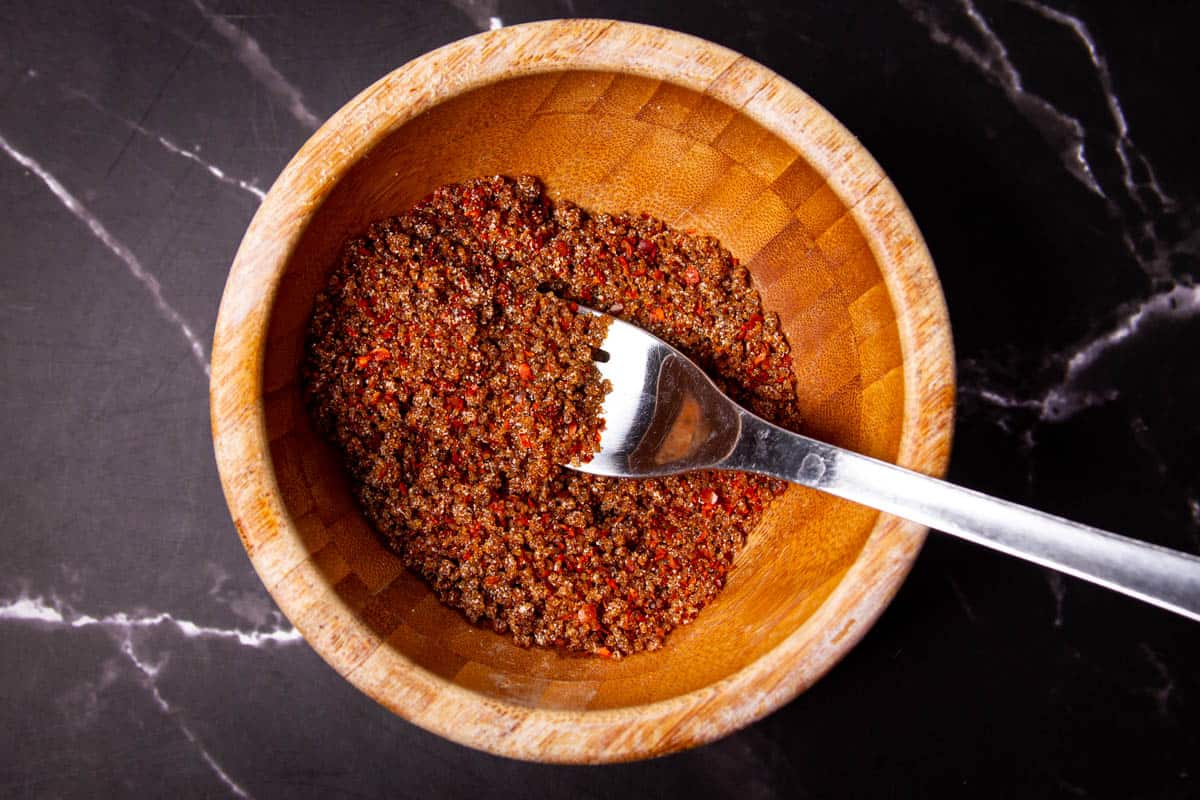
1061 130
116 247
484 14
37 609
191 154
148 674
1124 144
213 169
253 607
1070 395
968 612
1140 199
1193 506
1161 694
1065 399
1002 400
1058 403
1074 789
251 54
1058 588
1138 230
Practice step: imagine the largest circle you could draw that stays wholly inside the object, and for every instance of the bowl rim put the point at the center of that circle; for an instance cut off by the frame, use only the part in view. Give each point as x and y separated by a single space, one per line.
239 427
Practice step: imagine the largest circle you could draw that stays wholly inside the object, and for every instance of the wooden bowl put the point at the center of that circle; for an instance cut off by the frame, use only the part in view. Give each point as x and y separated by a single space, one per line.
617 117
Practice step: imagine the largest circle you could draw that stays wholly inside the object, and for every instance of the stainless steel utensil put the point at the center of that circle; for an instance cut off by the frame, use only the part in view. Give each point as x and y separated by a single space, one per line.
665 416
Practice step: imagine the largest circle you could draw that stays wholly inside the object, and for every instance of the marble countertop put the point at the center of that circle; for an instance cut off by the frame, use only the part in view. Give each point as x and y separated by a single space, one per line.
1045 149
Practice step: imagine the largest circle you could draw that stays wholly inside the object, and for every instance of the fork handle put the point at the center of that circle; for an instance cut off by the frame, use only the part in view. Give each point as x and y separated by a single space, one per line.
1157 575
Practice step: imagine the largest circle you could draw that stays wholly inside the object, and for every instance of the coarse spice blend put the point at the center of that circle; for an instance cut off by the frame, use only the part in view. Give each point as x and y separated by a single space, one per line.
448 361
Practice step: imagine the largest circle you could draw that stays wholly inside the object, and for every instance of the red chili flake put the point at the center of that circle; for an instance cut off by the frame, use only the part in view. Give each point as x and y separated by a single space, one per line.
658 274
561 247
603 652
611 584
647 248
709 497
525 442
657 314
747 326
525 371
492 580
691 276
587 615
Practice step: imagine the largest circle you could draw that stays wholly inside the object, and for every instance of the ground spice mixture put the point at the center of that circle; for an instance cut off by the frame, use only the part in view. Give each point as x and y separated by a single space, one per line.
449 362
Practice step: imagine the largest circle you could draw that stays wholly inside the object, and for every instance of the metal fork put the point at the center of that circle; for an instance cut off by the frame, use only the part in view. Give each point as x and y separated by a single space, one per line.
664 416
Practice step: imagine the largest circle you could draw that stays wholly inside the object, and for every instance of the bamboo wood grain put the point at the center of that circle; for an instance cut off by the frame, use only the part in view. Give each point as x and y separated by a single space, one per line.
617 117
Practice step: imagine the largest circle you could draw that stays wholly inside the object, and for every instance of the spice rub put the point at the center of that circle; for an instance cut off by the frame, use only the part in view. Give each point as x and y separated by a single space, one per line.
448 361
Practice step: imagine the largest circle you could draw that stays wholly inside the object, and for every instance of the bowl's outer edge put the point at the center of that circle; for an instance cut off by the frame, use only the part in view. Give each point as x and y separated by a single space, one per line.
239 431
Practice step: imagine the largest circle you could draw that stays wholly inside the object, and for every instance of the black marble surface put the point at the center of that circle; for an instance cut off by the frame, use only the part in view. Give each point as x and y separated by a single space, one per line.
1047 152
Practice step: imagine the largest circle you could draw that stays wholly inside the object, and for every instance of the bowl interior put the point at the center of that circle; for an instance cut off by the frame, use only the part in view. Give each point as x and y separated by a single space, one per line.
613 142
